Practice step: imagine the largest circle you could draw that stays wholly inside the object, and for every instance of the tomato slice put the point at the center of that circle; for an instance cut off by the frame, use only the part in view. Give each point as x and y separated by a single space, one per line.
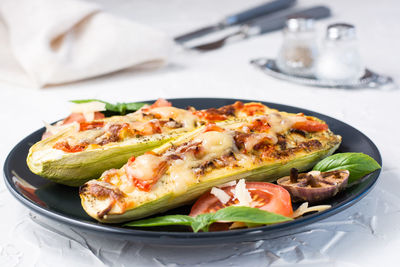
252 109
79 117
265 196
310 126
161 103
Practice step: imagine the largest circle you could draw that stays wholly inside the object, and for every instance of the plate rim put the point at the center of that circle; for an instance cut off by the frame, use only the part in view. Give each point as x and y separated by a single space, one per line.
183 237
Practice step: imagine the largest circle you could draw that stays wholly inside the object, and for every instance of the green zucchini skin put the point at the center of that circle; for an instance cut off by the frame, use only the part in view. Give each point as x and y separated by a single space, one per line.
74 169
268 172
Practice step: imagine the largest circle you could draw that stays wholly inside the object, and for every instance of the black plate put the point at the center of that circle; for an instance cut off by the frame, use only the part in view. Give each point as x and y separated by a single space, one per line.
62 203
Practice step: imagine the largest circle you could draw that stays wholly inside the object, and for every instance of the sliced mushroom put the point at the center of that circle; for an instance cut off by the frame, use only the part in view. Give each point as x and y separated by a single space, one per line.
314 186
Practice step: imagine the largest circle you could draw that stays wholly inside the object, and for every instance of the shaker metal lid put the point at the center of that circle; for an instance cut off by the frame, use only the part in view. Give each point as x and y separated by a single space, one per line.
299 24
341 31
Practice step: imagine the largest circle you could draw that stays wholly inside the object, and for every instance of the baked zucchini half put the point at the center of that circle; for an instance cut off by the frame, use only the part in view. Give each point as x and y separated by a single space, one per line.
260 148
84 150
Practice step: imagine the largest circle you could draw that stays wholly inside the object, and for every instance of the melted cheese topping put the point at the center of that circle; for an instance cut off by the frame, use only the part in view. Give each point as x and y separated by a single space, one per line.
181 115
144 166
254 139
181 176
279 122
214 144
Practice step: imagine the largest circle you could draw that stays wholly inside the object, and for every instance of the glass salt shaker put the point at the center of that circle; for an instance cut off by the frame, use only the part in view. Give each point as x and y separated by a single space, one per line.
339 58
299 49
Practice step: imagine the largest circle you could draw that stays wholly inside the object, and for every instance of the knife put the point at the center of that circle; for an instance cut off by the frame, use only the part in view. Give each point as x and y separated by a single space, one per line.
267 24
238 18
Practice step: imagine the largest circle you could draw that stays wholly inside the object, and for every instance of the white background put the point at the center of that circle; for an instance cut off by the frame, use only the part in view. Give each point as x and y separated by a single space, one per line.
366 234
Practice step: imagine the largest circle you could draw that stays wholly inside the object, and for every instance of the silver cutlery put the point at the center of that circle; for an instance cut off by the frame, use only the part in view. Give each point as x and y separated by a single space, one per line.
237 19
265 25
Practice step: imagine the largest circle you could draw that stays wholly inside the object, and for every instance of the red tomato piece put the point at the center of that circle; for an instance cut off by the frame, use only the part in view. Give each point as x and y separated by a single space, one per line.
66 147
210 115
78 117
310 126
145 170
161 103
259 125
265 196
252 109
131 159
88 125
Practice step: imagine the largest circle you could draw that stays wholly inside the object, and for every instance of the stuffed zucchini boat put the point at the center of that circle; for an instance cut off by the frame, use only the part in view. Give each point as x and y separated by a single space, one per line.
259 148
82 150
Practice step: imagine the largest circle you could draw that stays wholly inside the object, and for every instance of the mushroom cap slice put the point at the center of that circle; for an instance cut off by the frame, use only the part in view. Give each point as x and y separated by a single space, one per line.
315 186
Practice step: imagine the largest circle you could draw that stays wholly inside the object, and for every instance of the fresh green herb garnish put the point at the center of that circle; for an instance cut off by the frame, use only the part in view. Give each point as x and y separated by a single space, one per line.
358 164
120 108
251 216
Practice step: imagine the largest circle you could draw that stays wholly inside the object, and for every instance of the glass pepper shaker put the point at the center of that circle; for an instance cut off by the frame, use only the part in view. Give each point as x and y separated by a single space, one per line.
339 58
299 49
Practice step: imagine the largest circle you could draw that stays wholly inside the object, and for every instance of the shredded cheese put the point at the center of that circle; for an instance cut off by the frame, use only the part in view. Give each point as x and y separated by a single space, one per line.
242 194
303 209
314 173
88 109
221 195
231 183
53 129
56 128
236 225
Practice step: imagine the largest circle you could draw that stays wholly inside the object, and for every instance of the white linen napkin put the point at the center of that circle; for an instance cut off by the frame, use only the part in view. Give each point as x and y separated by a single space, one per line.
58 41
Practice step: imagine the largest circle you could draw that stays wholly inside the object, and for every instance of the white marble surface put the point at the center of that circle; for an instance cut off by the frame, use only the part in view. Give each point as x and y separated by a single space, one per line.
367 234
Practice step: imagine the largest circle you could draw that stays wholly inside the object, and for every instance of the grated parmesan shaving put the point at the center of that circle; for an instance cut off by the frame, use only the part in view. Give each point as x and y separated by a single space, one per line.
53 129
221 195
231 183
56 128
314 173
242 194
236 225
303 209
88 109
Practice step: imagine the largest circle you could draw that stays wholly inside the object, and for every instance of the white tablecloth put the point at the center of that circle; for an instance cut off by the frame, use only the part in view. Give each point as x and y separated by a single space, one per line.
366 234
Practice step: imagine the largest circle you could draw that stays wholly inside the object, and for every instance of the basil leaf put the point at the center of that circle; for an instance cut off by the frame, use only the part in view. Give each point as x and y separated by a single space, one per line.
358 164
134 105
81 101
248 215
120 108
163 220
202 222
